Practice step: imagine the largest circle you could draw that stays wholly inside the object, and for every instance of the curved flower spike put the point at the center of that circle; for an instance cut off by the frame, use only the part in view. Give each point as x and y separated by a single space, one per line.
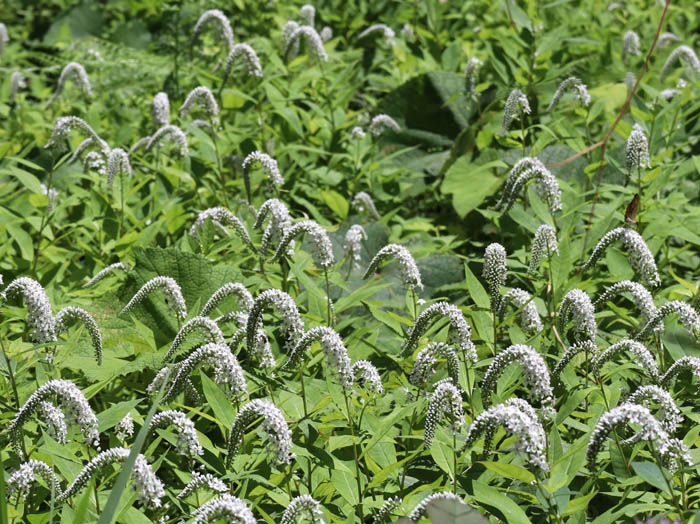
74 403
326 34
280 220
213 334
571 83
545 244
577 304
64 124
495 271
689 318
55 421
690 363
106 271
385 512
386 31
81 78
274 427
584 345
219 18
523 171
269 166
160 109
169 286
471 72
250 59
516 105
145 483
688 56
220 216
187 440
76 313
82 147
637 149
334 349
245 299
117 163
141 142
203 96
363 371
640 257
125 427
4 38
423 368
446 399
287 32
420 509
457 321
521 299
227 370
519 422
666 38
174 133
630 45
39 315
22 479
632 414
227 507
16 83
292 325
307 14
353 242
322 248
313 40
669 415
640 296
201 480
362 202
303 506
409 269
642 354
534 369
382 122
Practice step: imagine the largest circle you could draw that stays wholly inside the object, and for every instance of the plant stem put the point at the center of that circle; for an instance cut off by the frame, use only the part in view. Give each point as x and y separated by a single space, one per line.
328 298
358 508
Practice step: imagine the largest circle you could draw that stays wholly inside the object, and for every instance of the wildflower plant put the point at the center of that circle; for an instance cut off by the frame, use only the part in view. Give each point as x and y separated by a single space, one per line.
446 399
169 286
457 321
409 270
516 106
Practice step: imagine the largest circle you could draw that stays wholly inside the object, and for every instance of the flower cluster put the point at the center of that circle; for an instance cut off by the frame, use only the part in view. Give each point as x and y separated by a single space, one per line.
269 166
200 480
577 304
353 242
457 321
384 513
307 14
363 371
683 363
322 248
220 216
117 163
79 314
22 479
55 421
303 506
521 299
187 440
362 201
640 296
685 53
523 171
160 109
106 271
471 71
446 399
274 427
125 427
65 124
250 58
381 122
494 272
666 38
571 83
78 71
219 18
212 330
420 509
642 354
16 83
280 221
313 40
669 415
384 29
334 349
545 244
292 325
516 105
227 507
689 318
424 366
630 45
245 299
584 345
201 95
40 316
637 149
169 286
174 133
409 269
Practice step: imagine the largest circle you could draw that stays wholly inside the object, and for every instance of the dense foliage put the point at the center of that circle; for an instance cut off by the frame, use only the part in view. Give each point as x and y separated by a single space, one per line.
356 262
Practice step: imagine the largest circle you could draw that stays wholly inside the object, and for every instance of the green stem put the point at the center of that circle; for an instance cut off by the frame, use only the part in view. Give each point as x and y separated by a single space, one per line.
328 298
358 509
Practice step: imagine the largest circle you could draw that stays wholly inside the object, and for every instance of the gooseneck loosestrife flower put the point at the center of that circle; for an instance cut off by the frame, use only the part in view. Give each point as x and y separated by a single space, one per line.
640 296
65 124
274 427
218 18
382 122
363 202
304 507
280 221
221 216
117 163
250 59
471 71
227 370
544 245
75 313
630 45
384 29
420 509
187 441
292 325
689 318
385 512
577 305
353 242
409 269
174 133
313 41
669 415
269 166
4 38
125 427
307 14
521 300
691 364
494 272
243 296
584 345
227 507
21 480
72 400
208 326
456 318
424 366
55 421
78 72
643 356
519 420
666 38
651 430
516 105
202 480
169 287
523 171
640 257
39 314
334 349
571 83
160 109
16 83
637 149
203 96
446 399
535 372
364 372
322 248
105 272
687 55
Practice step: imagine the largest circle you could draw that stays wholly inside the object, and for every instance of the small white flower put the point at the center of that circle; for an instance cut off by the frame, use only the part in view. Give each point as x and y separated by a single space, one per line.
227 507
685 53
630 45
577 304
516 105
160 109
382 122
169 286
125 427
637 149
353 242
446 399
363 202
219 18
409 270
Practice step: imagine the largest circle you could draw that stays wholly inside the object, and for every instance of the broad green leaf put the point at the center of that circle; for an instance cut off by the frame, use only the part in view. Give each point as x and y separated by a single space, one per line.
470 184
476 290
651 473
346 485
510 471
219 402
111 416
499 504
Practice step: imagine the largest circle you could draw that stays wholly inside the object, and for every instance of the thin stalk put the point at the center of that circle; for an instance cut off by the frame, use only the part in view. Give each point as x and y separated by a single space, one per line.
328 298
410 430
121 191
358 509
222 179
659 463
454 461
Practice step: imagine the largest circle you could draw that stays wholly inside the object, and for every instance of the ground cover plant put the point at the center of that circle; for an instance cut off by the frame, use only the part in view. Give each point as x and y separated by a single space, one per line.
349 262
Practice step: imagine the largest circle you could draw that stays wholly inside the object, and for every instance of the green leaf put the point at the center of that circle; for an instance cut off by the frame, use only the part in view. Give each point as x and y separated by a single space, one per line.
111 416
346 485
336 202
471 184
453 511
500 505
510 471
651 474
219 402
476 290
24 241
